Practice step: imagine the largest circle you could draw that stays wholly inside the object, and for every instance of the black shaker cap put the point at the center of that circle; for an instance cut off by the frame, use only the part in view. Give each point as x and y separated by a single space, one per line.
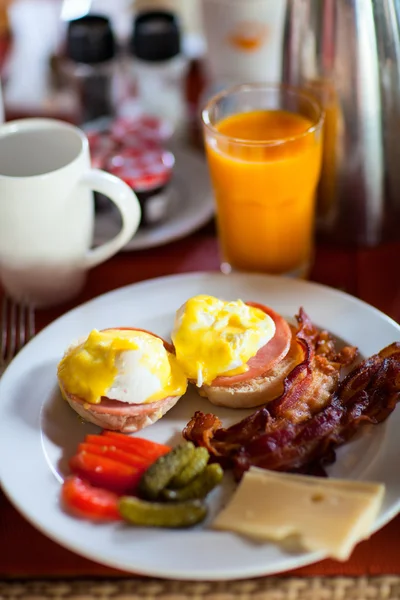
90 40
156 36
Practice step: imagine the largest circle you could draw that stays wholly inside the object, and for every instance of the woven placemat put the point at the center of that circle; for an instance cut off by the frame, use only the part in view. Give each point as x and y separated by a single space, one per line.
271 588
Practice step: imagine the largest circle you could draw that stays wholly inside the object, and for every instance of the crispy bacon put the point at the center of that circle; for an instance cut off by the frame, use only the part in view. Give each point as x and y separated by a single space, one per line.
282 436
367 395
323 342
308 387
201 430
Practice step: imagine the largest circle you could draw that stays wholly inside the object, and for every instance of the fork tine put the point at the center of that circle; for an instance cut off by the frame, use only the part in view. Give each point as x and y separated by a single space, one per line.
31 323
12 330
21 340
3 339
17 328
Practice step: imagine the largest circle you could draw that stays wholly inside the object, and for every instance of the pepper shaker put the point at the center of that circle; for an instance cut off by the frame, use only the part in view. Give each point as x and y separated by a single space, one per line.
91 66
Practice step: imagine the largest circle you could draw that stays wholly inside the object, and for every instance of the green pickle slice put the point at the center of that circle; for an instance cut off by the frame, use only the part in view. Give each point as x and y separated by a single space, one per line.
156 514
208 479
160 473
195 466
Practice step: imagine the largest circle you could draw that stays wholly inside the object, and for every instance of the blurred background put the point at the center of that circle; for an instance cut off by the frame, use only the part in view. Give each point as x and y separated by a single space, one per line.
38 51
33 43
134 74
149 65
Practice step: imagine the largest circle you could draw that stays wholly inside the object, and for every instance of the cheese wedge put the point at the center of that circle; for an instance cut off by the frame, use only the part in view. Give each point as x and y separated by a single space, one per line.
328 515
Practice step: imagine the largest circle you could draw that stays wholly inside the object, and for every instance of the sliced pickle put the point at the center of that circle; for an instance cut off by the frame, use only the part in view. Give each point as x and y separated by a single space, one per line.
195 466
157 514
160 473
198 488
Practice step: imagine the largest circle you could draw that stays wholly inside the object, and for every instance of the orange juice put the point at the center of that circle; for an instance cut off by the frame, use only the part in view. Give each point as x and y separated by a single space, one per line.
264 167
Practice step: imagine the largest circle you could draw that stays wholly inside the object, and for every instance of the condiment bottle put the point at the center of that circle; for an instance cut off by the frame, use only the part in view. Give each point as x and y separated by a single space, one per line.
159 67
91 65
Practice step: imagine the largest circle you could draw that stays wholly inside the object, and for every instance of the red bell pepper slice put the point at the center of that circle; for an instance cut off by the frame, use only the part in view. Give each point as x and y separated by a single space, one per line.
106 442
106 473
146 448
116 454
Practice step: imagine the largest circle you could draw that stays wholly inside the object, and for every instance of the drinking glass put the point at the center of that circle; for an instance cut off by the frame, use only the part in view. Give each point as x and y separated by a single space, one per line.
264 148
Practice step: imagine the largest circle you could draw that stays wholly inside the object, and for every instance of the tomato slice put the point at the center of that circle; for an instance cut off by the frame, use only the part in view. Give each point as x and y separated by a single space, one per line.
111 451
86 501
267 356
142 447
106 472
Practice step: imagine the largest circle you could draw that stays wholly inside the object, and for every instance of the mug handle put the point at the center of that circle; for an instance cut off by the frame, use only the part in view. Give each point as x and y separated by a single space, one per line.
127 203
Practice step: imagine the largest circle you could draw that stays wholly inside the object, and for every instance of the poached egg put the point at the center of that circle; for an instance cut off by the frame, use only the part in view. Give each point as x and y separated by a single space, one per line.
130 366
213 337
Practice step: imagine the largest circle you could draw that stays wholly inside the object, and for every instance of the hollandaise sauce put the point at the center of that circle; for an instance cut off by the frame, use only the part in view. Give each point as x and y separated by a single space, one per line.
213 337
126 365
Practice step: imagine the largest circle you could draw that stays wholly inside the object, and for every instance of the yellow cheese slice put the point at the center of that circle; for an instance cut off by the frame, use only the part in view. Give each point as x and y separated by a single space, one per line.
360 486
326 515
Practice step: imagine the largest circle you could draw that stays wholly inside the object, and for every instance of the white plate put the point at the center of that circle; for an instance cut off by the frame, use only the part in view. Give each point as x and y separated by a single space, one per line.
38 431
192 206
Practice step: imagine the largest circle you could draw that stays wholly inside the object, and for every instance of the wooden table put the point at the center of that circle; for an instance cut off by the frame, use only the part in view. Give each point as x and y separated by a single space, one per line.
369 274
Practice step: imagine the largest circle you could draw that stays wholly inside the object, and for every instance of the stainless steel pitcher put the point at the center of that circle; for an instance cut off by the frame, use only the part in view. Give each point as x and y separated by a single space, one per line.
348 53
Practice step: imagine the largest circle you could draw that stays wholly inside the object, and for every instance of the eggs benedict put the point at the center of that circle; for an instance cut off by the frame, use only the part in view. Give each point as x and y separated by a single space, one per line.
237 354
121 379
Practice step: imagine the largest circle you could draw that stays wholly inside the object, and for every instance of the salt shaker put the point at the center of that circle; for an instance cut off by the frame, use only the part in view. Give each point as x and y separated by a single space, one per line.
159 67
91 65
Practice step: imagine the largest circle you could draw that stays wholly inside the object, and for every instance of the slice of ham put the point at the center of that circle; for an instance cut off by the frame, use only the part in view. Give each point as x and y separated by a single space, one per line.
115 407
119 416
267 356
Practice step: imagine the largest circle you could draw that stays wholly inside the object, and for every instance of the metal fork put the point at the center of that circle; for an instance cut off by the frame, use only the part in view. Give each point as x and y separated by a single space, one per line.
17 328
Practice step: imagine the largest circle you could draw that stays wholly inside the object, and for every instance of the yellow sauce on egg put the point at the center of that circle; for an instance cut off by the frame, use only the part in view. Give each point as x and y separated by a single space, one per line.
213 337
89 369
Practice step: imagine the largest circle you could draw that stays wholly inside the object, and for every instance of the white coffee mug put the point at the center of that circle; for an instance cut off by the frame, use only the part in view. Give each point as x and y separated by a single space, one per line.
47 210
244 40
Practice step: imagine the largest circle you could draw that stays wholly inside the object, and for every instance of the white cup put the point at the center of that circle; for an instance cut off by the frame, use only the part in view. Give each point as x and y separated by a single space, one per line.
244 39
47 210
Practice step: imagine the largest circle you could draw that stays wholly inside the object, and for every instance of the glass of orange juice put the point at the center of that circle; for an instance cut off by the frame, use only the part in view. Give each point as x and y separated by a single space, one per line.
264 148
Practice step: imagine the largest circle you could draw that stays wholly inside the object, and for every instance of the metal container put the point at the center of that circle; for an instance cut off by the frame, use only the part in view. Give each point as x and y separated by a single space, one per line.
347 52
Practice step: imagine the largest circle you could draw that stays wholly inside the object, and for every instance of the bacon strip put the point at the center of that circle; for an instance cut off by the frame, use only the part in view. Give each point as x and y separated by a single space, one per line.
279 437
308 387
367 395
